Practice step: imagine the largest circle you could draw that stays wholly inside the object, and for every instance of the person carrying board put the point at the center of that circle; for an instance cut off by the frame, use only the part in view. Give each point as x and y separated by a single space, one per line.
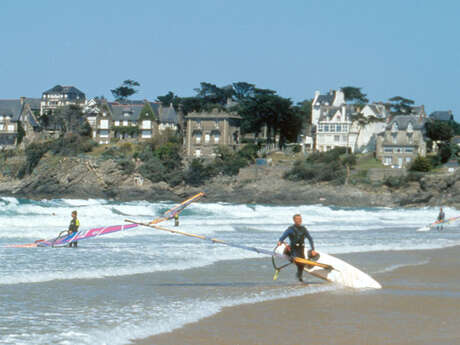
441 217
297 234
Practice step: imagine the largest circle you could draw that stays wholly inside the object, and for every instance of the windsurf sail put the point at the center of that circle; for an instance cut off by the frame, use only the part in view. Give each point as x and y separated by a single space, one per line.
64 238
171 213
439 222
215 240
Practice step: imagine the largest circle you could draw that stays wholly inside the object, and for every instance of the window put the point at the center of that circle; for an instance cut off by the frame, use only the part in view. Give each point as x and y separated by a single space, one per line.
104 134
394 138
345 128
344 138
398 149
388 149
207 137
332 128
336 138
387 160
326 128
104 124
197 153
320 128
198 139
216 138
117 123
125 123
146 124
339 128
11 128
409 149
408 160
146 134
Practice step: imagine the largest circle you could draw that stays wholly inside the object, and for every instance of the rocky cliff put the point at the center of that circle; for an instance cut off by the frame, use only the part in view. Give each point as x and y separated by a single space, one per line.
57 177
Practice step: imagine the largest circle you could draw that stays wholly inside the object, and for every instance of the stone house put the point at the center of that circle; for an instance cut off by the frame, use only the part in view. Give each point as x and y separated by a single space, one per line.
13 114
60 96
205 131
138 120
402 141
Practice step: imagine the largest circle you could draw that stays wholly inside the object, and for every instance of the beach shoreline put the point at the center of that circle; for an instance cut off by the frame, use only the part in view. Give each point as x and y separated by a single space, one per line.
418 304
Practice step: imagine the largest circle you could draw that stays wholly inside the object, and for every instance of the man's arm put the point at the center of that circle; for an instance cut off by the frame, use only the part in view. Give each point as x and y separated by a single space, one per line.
310 239
284 235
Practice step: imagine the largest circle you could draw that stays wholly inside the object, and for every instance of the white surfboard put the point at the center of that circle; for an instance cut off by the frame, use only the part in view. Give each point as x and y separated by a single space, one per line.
342 273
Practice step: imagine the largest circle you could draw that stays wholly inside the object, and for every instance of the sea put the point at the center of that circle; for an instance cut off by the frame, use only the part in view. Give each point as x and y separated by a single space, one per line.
141 282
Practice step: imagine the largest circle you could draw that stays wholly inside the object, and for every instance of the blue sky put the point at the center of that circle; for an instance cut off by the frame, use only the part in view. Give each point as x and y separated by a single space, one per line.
389 48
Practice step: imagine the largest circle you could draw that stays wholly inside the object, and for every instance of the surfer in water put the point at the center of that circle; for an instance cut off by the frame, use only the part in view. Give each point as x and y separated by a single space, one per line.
73 228
441 217
297 234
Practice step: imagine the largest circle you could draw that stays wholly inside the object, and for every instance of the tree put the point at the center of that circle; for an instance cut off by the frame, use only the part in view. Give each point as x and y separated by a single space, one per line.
400 105
170 98
243 90
69 119
127 89
354 94
439 131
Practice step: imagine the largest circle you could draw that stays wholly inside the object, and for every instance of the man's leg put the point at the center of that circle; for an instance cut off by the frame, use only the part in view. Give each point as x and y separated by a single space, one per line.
300 253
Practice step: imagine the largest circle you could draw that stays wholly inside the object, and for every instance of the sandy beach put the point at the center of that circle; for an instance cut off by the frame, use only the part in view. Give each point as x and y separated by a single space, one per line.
419 304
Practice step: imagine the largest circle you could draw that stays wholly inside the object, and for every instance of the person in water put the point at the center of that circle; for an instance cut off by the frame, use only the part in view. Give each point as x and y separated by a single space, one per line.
441 217
297 234
176 219
73 228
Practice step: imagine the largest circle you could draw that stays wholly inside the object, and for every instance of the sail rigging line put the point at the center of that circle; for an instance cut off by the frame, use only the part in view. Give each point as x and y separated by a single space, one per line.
215 240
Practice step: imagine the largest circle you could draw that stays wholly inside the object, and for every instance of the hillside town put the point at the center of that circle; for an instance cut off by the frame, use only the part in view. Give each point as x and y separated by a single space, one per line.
395 138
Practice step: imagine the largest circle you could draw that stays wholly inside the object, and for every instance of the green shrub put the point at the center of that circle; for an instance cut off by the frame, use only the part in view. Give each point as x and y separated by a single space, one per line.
395 181
153 170
198 172
249 152
34 152
126 165
421 164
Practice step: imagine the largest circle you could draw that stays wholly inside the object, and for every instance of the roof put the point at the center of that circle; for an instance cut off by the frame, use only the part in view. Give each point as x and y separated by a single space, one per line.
168 115
119 110
213 115
71 91
328 98
442 115
404 120
11 108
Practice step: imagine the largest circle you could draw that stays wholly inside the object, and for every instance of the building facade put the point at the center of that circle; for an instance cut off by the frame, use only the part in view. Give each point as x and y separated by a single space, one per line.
137 120
206 131
402 141
60 96
16 113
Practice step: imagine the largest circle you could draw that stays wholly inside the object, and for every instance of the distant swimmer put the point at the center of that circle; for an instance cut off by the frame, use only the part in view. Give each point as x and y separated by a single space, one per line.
441 218
297 234
73 228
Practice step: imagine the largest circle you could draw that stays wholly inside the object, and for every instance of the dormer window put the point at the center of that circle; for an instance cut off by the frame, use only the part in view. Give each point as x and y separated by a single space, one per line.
394 127
410 128
126 114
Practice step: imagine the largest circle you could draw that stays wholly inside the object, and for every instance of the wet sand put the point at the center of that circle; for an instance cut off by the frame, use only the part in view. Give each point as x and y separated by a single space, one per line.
419 304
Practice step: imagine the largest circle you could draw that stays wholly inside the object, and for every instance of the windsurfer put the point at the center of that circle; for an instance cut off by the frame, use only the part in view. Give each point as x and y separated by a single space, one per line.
297 234
73 228
441 217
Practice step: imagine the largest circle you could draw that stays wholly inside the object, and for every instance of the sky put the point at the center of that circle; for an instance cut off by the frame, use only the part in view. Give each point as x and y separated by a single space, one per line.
388 48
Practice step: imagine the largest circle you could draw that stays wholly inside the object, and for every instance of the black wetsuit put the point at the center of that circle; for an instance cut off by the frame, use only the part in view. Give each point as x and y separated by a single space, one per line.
297 235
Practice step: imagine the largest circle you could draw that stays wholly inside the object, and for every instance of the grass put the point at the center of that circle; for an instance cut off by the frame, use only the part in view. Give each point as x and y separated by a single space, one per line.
367 161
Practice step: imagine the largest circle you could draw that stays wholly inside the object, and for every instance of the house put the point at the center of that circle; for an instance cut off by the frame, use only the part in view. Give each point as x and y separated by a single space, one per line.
377 110
138 120
335 128
60 96
402 141
207 130
17 114
442 116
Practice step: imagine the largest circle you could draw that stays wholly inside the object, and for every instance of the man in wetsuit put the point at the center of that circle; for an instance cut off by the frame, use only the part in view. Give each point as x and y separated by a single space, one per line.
73 228
297 233
441 217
